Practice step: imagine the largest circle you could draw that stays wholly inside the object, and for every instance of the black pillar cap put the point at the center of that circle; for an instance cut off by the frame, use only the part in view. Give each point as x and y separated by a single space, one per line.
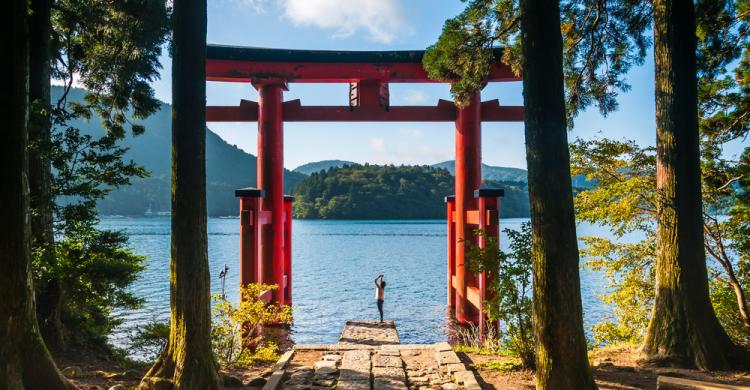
289 197
249 192
489 192
450 198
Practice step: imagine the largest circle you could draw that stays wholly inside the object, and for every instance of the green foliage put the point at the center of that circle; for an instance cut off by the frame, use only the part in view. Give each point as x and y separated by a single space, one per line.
464 51
630 275
469 339
388 192
231 323
509 289
503 366
95 269
724 108
149 340
624 200
370 191
602 41
113 49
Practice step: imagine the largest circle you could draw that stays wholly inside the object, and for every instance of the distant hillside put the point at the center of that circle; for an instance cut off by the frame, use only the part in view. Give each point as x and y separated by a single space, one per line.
389 192
227 168
317 166
490 172
508 174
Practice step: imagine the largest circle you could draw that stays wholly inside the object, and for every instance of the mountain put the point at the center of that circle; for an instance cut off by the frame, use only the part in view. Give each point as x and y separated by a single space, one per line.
317 166
389 192
227 167
507 174
490 172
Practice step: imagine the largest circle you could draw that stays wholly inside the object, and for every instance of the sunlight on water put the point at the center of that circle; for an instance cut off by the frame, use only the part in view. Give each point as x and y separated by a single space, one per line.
334 265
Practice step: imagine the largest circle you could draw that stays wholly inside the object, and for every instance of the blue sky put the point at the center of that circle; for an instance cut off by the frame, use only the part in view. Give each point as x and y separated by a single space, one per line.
383 25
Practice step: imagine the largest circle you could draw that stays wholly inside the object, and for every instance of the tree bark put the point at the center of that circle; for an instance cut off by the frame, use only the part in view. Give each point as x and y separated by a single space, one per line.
188 360
684 330
562 362
25 362
49 305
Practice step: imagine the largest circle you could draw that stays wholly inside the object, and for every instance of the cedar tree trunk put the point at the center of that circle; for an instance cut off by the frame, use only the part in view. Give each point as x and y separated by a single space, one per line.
49 305
188 360
562 362
25 362
684 330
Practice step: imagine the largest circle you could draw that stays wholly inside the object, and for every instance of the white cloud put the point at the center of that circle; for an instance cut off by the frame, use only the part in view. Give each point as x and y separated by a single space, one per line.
382 20
409 146
257 5
377 144
415 97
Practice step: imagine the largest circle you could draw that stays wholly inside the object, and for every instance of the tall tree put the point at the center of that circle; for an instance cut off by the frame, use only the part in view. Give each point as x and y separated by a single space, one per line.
112 49
24 359
40 174
562 361
683 329
188 361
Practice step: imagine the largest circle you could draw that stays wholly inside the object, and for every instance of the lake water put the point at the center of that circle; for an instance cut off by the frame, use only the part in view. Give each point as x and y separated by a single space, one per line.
334 265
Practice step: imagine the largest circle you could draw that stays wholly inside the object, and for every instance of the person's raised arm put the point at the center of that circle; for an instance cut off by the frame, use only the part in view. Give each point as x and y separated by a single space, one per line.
376 280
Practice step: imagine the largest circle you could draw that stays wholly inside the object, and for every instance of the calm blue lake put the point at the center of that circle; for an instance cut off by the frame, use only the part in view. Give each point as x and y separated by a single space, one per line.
334 265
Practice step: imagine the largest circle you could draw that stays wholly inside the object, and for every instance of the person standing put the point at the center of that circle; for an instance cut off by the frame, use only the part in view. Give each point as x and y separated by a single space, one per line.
380 294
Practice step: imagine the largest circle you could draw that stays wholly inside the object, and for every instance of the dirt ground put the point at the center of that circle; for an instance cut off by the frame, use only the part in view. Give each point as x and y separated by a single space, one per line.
99 373
614 369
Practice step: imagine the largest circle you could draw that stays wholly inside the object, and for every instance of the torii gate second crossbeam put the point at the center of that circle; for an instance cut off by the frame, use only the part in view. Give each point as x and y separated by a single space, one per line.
265 212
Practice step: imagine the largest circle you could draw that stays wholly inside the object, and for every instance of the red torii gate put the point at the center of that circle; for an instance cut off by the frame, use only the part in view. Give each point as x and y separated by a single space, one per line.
265 212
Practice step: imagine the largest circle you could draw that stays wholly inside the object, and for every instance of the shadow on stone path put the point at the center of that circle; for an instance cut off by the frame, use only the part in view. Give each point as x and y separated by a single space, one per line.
369 356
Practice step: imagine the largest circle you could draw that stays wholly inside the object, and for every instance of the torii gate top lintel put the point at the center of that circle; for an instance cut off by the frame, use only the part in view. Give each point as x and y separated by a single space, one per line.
243 64
368 74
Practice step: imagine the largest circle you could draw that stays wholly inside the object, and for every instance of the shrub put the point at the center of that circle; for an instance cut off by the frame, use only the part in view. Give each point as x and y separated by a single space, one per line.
509 301
235 333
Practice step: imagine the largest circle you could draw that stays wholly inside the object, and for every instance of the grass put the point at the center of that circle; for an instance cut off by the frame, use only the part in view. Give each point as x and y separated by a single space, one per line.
503 366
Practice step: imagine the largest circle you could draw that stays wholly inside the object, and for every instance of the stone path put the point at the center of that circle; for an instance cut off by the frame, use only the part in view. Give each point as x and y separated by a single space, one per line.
369 357
369 333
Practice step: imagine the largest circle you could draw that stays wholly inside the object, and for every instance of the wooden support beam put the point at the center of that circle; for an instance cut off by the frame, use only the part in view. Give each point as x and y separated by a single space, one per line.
672 383
474 297
294 111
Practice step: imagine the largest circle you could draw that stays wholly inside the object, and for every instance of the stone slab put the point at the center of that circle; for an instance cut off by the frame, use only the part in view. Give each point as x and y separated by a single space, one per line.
442 346
385 384
283 360
672 383
354 375
446 357
467 379
353 385
380 360
393 373
368 332
453 367
274 380
356 359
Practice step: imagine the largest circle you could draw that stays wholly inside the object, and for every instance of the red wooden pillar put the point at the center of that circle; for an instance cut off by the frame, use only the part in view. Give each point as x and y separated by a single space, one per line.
450 202
271 181
489 222
468 178
249 228
288 249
